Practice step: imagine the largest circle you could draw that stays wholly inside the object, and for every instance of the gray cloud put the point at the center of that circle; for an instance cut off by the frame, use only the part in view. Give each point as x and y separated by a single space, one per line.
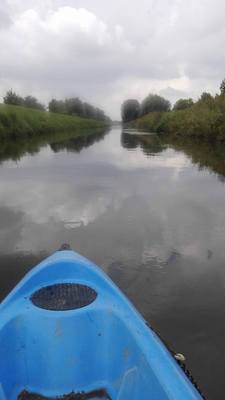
5 19
107 52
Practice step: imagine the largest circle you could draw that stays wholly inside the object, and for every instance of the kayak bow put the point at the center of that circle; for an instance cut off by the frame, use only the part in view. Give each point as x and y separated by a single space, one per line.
67 330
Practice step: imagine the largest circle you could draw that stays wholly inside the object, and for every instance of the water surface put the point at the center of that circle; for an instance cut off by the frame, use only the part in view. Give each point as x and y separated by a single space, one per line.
152 215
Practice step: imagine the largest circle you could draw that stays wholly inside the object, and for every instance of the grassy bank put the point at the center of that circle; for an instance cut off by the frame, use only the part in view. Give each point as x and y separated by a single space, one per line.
18 122
204 120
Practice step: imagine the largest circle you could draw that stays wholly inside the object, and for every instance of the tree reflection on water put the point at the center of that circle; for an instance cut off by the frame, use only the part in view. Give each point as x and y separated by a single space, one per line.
206 155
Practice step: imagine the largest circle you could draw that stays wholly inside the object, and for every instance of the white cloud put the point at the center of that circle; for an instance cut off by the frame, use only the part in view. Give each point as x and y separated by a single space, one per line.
69 51
105 52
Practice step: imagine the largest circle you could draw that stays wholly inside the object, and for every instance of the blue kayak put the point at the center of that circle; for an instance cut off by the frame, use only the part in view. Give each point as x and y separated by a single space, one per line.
66 331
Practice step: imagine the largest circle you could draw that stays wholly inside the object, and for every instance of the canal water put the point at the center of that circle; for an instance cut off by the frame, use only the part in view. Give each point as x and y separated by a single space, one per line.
151 214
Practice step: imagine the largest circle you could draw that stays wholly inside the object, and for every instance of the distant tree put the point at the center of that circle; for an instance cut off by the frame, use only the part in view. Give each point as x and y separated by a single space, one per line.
130 110
13 99
153 102
74 106
222 87
99 114
89 110
32 102
181 104
109 120
56 106
205 97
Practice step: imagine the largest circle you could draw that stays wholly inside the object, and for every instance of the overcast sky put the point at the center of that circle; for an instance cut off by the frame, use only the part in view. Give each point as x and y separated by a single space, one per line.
106 51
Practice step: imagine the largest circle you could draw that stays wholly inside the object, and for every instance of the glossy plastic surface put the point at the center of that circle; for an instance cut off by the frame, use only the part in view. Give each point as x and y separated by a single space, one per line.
105 344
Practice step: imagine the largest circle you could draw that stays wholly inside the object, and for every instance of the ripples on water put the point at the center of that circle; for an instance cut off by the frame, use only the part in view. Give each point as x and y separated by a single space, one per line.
152 214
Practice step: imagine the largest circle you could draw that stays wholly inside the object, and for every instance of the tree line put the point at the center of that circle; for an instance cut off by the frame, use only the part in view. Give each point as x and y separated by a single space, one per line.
69 106
28 101
203 119
75 106
132 109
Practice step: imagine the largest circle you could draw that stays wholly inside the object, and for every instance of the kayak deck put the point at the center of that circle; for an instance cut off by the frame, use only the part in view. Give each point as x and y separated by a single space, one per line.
67 329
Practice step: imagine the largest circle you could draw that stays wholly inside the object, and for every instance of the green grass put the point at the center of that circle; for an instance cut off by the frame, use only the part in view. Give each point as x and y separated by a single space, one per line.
19 122
204 120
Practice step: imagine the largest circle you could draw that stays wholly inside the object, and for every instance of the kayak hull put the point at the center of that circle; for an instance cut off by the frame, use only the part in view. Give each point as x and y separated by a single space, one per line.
81 334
